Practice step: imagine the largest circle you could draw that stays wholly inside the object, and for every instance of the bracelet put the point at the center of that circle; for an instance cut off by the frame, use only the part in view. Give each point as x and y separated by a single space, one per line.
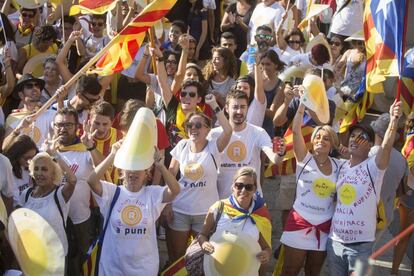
91 148
160 59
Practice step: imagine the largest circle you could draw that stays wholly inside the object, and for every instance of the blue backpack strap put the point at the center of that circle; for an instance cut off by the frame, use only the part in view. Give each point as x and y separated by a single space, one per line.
114 199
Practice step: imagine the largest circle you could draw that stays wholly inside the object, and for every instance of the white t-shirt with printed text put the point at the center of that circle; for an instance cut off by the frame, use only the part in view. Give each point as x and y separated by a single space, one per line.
198 178
243 150
354 219
130 245
80 163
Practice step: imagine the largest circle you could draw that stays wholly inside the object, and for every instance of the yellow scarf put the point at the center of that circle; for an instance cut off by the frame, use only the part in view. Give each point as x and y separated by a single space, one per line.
74 147
179 121
22 31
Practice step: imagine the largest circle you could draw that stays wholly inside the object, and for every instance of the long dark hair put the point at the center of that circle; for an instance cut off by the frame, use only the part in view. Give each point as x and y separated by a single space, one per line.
20 146
6 28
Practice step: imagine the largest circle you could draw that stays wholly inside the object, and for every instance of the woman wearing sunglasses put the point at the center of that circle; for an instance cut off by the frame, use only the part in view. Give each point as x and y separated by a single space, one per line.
307 227
197 160
244 211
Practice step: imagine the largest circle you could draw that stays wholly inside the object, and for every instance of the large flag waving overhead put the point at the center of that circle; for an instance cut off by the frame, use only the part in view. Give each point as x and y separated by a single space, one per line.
383 29
92 6
407 78
127 43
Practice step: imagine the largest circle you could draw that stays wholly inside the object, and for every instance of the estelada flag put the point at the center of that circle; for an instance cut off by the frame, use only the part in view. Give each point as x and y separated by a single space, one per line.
92 6
407 88
121 54
383 30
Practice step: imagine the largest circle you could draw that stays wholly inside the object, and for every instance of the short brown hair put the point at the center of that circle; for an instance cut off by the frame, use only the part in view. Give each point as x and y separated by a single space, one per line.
128 113
206 119
103 108
236 94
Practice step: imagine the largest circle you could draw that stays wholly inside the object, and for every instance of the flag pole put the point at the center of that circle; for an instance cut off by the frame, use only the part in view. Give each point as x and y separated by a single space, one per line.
151 33
401 62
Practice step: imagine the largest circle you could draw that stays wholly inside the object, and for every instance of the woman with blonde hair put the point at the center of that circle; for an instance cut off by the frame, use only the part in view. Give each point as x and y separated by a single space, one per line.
51 192
307 227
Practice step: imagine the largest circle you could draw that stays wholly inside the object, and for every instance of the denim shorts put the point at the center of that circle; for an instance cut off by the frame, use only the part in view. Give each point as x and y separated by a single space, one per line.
343 258
408 199
183 222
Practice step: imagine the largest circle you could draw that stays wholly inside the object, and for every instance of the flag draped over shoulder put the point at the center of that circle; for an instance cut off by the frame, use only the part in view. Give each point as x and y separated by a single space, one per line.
92 6
127 43
408 149
383 29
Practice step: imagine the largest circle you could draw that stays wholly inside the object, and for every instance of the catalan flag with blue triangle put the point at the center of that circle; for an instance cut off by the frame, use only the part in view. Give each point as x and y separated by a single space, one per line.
384 31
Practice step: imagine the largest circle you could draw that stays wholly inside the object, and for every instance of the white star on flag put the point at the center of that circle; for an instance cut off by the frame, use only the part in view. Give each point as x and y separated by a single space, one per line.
382 5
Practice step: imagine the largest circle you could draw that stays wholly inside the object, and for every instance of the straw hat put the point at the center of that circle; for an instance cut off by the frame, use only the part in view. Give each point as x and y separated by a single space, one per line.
315 97
36 245
356 36
31 4
27 78
319 40
137 150
234 254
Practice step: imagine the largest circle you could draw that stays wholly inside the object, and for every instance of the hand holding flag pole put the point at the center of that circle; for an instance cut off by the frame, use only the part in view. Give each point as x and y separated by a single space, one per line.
119 53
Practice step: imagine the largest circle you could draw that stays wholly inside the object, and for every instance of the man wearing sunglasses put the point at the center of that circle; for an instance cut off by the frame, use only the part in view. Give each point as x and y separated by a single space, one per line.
96 40
23 30
263 42
87 93
28 90
246 144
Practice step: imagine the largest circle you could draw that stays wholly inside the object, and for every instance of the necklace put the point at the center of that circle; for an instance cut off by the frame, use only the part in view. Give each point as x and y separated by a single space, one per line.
322 163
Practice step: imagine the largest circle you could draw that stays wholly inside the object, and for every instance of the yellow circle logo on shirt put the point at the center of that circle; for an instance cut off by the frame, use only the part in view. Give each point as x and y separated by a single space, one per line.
323 187
193 171
236 151
347 194
131 215
33 132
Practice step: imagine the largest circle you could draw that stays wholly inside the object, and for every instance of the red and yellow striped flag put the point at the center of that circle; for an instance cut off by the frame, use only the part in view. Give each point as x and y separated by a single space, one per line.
408 149
128 41
288 165
92 6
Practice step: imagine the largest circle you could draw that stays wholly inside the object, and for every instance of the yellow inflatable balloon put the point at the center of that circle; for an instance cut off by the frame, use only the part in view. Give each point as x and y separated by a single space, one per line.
137 150
315 97
36 245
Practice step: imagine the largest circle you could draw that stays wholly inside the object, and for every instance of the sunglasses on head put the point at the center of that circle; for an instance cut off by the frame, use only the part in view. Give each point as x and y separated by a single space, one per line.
184 94
30 85
100 24
197 125
248 187
335 43
28 15
263 36
294 41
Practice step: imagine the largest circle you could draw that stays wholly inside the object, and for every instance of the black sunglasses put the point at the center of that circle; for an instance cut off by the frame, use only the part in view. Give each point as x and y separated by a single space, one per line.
248 187
294 41
31 85
28 15
335 43
184 94
91 100
197 125
171 61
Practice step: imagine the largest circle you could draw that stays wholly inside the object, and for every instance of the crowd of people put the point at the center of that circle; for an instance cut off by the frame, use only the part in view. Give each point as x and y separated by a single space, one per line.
225 83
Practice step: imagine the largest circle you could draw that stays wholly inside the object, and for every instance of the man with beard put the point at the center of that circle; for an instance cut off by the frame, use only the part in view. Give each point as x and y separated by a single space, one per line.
263 40
246 143
81 157
19 121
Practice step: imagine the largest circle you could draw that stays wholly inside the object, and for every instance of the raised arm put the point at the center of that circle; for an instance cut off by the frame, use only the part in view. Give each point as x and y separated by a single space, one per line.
162 77
61 58
224 138
203 36
184 42
280 117
383 156
69 187
227 22
259 93
87 139
299 145
7 89
140 72
173 188
280 40
276 157
94 179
